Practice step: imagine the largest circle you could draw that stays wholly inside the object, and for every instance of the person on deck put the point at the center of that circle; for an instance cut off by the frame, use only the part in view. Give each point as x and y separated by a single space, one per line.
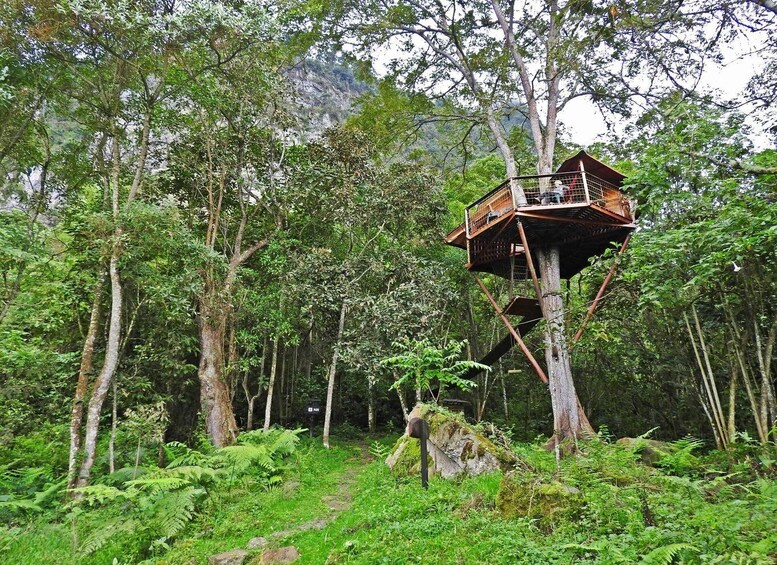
555 195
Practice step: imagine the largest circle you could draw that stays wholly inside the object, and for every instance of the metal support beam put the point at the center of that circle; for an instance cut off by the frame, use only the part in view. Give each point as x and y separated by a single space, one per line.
515 334
607 279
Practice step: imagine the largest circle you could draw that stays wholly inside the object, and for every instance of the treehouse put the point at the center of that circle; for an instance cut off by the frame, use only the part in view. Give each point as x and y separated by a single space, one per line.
580 209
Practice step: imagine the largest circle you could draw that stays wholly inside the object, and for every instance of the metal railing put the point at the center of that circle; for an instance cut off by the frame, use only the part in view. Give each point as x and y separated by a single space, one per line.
561 189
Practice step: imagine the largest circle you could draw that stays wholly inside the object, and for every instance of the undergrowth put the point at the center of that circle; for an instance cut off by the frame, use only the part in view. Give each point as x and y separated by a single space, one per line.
691 506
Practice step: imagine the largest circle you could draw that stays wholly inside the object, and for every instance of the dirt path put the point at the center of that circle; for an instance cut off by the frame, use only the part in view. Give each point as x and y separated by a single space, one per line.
337 503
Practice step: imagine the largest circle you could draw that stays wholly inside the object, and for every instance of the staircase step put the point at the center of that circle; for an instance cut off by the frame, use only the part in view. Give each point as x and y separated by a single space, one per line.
523 306
504 345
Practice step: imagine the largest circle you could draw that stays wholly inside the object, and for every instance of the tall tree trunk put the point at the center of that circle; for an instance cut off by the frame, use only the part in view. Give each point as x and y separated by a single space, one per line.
332 372
114 424
251 398
569 420
371 421
77 413
271 386
103 381
220 423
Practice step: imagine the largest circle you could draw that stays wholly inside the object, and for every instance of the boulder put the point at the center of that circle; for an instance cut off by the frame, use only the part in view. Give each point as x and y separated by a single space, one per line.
650 450
234 557
454 448
522 495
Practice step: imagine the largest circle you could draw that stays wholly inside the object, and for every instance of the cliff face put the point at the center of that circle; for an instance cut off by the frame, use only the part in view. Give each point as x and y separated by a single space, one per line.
324 95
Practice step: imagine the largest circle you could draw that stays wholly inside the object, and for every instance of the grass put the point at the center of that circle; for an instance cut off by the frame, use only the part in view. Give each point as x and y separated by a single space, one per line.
626 513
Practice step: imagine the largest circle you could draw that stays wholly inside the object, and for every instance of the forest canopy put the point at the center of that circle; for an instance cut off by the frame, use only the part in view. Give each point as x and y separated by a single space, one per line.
213 213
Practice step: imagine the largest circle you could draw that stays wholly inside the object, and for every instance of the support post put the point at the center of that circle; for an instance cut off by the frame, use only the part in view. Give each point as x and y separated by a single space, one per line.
585 183
607 279
418 428
515 334
424 455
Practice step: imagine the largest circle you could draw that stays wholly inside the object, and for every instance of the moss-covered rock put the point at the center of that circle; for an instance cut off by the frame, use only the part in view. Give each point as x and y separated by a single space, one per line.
522 495
455 448
650 450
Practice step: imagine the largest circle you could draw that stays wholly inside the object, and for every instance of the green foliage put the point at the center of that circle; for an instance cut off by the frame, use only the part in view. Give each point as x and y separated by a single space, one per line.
424 366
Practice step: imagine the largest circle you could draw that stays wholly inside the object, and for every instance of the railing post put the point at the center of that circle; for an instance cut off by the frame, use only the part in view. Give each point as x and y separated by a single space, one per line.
466 221
585 183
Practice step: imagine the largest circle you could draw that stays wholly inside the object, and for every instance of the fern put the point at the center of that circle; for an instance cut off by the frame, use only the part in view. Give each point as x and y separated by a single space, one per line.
175 510
666 554
94 495
378 450
194 474
183 456
16 504
106 531
243 457
156 485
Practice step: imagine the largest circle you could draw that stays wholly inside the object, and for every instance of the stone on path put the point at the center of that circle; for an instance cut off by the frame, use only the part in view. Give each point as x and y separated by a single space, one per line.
234 557
256 543
287 554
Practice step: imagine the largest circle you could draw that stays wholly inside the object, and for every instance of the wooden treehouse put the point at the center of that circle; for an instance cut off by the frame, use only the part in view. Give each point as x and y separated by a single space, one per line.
579 209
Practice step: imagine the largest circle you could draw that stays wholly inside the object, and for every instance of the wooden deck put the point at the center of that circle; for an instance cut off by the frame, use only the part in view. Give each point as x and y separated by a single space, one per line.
575 210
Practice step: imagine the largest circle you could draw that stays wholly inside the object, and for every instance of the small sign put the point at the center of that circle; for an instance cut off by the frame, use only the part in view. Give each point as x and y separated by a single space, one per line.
314 407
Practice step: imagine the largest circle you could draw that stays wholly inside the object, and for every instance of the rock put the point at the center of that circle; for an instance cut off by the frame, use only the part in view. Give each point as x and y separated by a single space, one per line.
234 557
454 446
523 495
289 488
256 543
287 554
650 450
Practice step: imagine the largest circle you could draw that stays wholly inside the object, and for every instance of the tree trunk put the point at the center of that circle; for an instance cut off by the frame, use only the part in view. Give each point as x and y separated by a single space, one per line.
569 420
77 414
103 381
114 424
220 423
371 422
332 372
273 370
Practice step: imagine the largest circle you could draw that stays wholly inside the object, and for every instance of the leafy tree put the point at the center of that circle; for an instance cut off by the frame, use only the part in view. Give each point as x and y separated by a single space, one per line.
428 368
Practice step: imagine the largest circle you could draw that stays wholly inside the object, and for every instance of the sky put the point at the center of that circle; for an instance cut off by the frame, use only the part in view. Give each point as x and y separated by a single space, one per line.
585 125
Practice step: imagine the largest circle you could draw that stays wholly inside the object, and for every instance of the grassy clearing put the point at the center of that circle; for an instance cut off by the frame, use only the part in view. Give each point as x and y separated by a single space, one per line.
690 510
627 513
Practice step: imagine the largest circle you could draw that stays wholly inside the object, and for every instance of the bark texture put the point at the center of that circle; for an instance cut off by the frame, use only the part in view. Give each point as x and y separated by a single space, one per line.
103 381
220 423
271 385
332 372
82 385
569 420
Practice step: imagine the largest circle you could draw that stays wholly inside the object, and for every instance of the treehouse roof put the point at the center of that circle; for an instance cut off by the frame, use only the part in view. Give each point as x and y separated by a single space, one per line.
593 166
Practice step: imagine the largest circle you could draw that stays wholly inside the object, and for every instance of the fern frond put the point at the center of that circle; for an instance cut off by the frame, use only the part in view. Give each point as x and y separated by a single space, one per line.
99 494
98 537
244 457
14 504
155 485
666 554
174 511
195 474
183 456
50 491
121 476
